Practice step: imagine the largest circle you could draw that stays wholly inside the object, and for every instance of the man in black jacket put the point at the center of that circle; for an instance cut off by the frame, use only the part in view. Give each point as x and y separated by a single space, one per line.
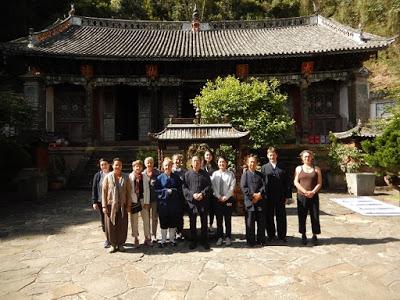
97 191
197 191
278 191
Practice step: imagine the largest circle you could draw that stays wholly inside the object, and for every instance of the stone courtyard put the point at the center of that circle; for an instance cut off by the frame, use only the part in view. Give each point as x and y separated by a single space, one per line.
53 249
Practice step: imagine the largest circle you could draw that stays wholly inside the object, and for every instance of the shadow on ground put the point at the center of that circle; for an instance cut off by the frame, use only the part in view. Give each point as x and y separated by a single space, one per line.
47 216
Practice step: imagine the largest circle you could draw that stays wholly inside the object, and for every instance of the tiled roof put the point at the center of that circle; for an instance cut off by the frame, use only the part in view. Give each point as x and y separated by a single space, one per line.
359 131
198 132
84 37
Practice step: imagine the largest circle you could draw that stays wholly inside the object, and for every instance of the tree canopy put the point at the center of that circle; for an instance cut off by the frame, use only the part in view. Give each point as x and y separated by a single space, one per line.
384 151
257 106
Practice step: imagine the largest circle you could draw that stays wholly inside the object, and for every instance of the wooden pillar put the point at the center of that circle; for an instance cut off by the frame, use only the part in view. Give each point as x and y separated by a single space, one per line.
304 115
297 112
360 95
35 96
179 103
89 114
154 109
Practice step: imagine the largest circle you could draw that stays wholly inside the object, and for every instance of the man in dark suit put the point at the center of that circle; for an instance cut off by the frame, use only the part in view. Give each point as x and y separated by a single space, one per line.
278 191
197 192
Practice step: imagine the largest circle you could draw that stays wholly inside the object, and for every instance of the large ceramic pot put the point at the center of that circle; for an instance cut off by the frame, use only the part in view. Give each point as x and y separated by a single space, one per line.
360 184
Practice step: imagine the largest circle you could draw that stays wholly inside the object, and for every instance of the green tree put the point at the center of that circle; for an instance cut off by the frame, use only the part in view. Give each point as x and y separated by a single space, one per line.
15 118
384 151
257 106
15 114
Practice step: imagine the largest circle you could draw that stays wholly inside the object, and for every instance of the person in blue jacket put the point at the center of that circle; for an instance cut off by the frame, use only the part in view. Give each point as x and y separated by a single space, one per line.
97 185
253 188
168 187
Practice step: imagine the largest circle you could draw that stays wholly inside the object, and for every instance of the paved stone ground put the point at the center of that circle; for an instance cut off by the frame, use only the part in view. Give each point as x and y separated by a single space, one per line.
53 249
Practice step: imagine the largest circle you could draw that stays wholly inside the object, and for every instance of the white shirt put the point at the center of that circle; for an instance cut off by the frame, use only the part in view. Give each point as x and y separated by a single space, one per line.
223 183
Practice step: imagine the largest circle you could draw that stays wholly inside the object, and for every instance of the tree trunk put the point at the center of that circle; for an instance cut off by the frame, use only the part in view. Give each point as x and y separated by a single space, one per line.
392 181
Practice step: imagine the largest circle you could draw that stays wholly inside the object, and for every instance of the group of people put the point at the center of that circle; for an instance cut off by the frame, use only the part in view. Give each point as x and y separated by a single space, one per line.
206 191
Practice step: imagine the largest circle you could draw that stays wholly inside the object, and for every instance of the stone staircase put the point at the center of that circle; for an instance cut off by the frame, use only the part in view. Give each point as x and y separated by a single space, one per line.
82 179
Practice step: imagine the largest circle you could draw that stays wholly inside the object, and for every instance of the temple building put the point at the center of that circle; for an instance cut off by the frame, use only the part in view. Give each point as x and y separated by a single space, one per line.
102 81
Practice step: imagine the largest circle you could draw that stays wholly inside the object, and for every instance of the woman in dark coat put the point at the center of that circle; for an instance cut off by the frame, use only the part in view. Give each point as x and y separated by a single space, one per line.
210 167
168 187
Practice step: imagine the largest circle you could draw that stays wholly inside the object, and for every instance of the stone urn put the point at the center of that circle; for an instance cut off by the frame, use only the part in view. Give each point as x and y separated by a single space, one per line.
360 184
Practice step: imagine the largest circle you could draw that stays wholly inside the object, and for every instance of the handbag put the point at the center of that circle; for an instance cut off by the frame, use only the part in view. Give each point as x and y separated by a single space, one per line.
136 207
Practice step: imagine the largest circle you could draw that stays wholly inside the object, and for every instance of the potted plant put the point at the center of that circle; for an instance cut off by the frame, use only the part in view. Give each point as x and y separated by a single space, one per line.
56 173
383 153
350 160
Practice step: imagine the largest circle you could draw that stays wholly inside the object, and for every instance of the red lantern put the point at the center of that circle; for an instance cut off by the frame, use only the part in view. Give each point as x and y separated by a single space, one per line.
87 71
307 67
152 71
242 71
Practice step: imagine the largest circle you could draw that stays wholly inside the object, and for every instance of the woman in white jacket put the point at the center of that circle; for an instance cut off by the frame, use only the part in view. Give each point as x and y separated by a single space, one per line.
223 183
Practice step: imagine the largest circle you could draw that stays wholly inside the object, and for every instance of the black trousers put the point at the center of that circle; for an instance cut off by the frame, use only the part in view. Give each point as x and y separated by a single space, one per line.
224 212
305 205
168 220
204 229
275 208
251 218
101 214
211 210
179 228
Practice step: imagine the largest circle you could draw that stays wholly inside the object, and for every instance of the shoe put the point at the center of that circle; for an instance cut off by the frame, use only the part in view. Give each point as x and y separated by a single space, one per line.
107 244
228 241
192 245
173 243
315 240
121 248
206 246
136 243
161 245
113 249
271 238
219 242
304 239
211 229
283 239
251 244
148 242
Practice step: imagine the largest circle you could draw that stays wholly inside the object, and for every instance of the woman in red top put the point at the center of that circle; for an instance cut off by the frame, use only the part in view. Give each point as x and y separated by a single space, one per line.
308 181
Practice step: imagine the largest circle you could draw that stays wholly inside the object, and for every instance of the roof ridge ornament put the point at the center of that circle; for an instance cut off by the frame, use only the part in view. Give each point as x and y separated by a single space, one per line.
71 12
361 31
315 8
30 38
195 19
